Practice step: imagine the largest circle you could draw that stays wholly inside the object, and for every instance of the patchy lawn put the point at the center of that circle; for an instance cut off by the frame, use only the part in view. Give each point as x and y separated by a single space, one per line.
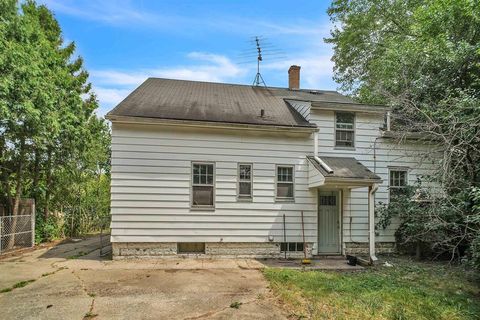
409 290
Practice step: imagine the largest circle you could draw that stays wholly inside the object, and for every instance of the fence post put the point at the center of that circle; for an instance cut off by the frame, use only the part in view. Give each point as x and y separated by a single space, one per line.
1 233
33 222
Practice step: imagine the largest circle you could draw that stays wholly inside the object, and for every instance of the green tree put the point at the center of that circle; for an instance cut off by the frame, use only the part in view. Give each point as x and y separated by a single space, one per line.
51 141
422 58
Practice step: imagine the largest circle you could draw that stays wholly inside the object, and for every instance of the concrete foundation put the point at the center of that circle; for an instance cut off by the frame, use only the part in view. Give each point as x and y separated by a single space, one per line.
361 248
121 250
143 249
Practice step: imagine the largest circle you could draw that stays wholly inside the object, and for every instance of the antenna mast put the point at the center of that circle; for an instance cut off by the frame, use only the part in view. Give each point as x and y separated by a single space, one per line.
260 49
258 77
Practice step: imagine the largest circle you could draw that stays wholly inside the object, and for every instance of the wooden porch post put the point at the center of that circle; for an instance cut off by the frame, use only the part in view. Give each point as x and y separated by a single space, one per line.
371 222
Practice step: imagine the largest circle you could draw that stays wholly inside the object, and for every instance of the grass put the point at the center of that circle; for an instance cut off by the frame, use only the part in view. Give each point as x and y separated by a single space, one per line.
90 315
235 305
409 290
20 284
78 255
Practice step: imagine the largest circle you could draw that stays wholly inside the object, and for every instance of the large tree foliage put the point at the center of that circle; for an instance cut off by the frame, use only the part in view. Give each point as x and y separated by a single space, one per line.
53 148
422 58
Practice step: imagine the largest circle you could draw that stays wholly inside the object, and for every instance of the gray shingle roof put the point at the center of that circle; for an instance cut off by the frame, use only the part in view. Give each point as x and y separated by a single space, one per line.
218 102
344 168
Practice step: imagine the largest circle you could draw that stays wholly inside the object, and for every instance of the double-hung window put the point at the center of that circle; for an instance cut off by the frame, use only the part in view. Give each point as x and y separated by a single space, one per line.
245 181
285 183
398 181
345 129
203 185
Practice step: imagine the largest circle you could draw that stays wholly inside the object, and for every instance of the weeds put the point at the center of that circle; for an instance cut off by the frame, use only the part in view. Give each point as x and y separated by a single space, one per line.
409 290
17 285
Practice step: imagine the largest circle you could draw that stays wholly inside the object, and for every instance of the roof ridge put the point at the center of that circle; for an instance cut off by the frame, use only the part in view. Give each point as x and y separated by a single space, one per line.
306 90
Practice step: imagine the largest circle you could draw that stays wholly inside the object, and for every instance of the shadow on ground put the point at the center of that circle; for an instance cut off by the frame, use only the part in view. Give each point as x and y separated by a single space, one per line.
90 248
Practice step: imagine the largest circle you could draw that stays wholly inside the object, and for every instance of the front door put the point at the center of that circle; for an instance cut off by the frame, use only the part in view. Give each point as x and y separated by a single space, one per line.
328 222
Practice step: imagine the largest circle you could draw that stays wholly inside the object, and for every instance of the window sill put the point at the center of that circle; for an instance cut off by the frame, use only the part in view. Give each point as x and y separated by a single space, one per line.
202 208
246 199
345 148
287 200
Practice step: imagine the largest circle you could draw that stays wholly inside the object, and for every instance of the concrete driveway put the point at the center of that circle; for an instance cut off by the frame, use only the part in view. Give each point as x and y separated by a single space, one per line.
71 281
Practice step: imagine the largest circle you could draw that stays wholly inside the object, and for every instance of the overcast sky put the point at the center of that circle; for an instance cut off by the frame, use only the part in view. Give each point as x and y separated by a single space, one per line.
124 42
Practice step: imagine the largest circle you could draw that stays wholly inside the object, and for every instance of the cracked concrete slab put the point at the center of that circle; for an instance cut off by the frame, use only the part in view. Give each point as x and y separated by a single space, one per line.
73 282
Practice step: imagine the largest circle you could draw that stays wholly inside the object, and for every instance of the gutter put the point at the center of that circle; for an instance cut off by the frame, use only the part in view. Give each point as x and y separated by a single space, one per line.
208 124
354 107
371 222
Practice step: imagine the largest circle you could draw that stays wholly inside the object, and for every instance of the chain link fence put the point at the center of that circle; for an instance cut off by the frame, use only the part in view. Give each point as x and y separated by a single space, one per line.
18 231
105 246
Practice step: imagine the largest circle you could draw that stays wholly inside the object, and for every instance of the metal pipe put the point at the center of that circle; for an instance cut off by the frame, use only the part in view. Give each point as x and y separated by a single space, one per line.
303 238
371 222
375 155
285 236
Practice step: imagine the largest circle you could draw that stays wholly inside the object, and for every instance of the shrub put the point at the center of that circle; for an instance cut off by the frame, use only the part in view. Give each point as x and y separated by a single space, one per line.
447 225
47 230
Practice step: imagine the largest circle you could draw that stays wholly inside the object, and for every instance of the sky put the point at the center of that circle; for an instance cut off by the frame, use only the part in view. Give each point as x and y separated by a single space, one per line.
124 42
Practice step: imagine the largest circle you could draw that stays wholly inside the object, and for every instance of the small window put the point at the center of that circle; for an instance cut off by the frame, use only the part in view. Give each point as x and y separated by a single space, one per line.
285 185
291 246
203 184
191 247
245 181
345 129
398 182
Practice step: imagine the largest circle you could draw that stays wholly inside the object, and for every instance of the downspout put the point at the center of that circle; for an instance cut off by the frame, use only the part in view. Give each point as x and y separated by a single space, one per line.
315 154
371 222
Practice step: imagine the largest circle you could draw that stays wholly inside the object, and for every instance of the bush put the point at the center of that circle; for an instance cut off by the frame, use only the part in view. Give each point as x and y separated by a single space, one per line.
47 230
446 226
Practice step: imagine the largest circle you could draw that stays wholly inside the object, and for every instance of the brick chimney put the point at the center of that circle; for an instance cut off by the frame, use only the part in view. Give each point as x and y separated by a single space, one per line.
294 78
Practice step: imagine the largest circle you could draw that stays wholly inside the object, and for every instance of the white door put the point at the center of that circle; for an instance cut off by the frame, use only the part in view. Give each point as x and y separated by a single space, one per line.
328 222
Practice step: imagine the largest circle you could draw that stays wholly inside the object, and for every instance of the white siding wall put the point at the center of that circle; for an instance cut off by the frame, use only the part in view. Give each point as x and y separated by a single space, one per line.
151 168
388 154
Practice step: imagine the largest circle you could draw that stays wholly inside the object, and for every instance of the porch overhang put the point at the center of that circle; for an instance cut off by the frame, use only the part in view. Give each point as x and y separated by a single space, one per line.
338 172
341 172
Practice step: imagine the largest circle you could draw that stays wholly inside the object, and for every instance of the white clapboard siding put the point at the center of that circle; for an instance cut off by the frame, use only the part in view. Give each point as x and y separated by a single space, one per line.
388 154
151 174
151 178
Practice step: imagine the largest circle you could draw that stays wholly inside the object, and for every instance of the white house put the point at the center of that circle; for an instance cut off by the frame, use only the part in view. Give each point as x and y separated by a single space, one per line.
224 169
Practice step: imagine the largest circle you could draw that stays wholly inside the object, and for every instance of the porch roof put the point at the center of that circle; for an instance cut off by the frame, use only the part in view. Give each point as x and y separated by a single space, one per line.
345 170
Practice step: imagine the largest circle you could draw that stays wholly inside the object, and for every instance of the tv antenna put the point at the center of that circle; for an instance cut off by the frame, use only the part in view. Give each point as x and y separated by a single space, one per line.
262 49
258 77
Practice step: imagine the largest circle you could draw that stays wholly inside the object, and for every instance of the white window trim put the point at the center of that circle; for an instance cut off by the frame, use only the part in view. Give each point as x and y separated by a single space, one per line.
284 199
202 207
402 169
245 197
352 130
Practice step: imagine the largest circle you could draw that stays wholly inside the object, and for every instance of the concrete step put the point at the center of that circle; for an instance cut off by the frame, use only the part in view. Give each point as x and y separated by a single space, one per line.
329 257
